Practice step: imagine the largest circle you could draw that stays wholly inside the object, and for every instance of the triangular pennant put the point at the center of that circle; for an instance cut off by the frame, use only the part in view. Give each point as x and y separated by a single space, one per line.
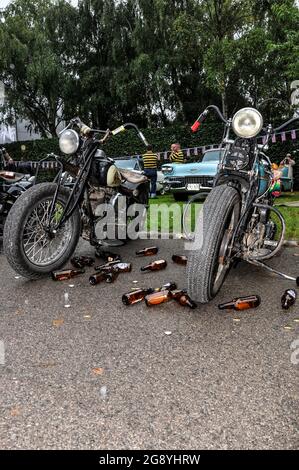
283 137
293 134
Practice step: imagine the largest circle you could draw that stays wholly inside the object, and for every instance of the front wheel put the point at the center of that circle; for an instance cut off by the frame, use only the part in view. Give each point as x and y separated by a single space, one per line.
30 249
209 260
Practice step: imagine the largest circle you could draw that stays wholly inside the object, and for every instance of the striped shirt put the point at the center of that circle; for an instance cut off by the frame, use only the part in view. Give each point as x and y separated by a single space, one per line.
150 160
177 157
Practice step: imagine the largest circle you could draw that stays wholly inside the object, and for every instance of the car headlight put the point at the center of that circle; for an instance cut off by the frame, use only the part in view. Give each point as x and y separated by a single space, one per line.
167 169
247 123
69 142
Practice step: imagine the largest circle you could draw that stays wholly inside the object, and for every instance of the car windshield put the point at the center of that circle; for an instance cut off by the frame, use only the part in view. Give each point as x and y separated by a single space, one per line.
211 156
127 164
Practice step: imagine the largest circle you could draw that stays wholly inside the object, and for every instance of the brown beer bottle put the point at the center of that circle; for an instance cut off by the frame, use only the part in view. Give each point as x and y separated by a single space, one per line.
288 299
66 274
179 259
96 278
106 265
155 266
111 277
177 293
81 261
242 303
139 295
158 298
183 299
151 251
118 268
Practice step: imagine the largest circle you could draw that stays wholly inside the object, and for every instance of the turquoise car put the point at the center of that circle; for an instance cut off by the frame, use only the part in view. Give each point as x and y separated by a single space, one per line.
186 179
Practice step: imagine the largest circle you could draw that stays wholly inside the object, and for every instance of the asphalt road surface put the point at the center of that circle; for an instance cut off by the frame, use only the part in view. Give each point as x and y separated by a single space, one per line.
98 375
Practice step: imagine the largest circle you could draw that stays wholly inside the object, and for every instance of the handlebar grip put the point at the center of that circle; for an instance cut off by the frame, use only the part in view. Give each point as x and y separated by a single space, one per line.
199 121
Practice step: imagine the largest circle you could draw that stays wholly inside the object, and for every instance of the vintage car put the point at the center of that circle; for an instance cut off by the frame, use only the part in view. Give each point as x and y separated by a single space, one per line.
135 163
191 178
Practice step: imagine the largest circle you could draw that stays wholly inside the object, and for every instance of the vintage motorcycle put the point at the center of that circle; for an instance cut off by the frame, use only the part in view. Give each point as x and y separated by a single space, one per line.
12 185
238 220
43 228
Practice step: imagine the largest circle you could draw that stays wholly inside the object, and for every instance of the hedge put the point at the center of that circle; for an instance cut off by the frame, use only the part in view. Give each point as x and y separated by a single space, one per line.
161 139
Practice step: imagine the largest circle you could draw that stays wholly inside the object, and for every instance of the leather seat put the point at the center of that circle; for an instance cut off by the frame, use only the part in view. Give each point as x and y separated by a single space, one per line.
133 176
10 177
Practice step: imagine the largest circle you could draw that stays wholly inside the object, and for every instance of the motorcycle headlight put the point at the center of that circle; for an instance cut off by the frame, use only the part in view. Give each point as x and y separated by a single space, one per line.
167 169
69 142
247 123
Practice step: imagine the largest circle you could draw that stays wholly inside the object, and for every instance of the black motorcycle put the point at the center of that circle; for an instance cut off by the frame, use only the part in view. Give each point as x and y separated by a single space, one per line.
12 185
43 228
238 221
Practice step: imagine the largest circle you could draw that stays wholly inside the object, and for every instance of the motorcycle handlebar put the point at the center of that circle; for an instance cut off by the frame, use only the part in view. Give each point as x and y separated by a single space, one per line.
203 116
286 124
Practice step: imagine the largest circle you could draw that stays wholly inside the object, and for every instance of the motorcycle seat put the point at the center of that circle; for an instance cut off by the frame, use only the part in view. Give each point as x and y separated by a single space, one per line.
11 177
133 176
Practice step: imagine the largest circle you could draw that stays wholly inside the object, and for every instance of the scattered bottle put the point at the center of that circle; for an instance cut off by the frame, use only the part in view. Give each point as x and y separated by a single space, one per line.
158 298
118 268
96 278
80 261
151 251
108 256
66 274
180 259
155 266
242 303
288 299
111 277
139 295
106 265
183 299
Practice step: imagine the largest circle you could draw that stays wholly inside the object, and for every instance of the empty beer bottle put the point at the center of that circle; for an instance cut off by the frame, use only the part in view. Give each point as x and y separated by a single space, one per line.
139 295
242 303
155 266
106 265
81 261
118 268
66 274
151 251
183 299
96 278
179 259
177 293
288 299
158 298
111 277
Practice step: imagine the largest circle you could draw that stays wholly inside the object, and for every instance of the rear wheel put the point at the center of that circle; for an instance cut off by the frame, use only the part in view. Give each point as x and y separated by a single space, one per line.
31 250
209 263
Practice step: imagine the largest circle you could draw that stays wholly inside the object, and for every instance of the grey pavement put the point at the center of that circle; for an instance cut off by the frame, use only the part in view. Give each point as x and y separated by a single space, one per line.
105 376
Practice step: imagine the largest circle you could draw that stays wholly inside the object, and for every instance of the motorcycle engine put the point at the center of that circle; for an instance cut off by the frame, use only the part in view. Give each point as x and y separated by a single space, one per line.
237 157
98 196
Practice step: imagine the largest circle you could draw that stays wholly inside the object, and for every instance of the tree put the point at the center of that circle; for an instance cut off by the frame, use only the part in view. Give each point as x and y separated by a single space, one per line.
33 61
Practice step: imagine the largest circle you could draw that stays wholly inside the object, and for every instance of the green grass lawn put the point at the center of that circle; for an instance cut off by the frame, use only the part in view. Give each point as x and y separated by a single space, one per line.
154 221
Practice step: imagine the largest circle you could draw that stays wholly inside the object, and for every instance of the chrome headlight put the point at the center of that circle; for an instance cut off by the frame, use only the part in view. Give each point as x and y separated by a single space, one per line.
167 169
69 142
247 123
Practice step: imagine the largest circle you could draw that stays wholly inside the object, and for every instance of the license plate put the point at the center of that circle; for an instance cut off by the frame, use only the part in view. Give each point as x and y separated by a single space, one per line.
193 187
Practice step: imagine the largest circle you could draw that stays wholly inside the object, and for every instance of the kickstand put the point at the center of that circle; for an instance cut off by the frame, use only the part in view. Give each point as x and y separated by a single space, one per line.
272 270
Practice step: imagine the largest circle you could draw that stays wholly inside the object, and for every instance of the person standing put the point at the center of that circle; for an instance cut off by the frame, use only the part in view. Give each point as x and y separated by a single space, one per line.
177 155
150 165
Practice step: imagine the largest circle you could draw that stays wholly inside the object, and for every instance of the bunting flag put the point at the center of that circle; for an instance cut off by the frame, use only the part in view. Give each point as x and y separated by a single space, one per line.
196 151
293 134
273 138
188 152
283 137
165 155
264 140
159 156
